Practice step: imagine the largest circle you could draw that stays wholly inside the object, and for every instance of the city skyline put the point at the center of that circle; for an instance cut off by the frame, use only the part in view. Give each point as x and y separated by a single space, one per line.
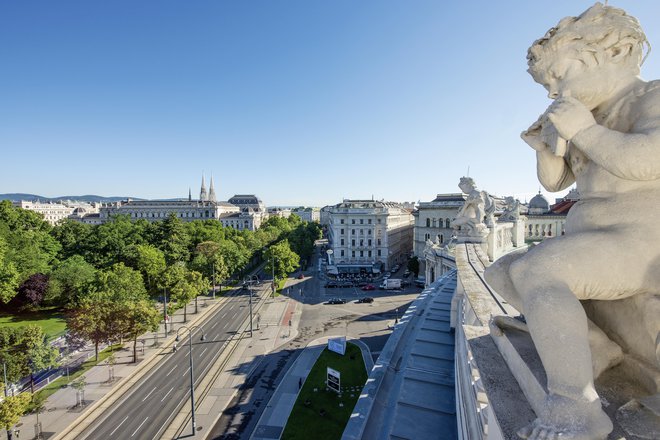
299 103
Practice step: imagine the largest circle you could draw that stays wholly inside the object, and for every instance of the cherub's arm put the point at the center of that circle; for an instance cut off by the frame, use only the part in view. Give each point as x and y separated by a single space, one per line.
552 170
632 156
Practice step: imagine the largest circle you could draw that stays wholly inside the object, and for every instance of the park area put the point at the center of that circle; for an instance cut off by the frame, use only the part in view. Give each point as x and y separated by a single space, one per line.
319 412
51 321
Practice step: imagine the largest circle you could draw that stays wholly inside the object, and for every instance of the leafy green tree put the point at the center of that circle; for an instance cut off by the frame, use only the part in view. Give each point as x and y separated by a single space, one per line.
209 261
151 262
122 283
72 236
25 350
112 242
70 280
92 320
11 410
413 265
173 239
284 259
234 256
137 317
9 276
184 285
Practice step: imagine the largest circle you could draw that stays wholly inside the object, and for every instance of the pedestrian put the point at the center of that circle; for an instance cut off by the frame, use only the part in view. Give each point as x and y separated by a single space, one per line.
174 348
299 383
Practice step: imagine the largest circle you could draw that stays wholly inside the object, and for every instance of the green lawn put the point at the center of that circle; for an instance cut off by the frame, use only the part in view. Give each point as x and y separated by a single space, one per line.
306 421
51 321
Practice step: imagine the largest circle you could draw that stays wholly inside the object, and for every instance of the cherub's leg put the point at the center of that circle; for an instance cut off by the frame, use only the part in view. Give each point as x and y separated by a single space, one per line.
547 279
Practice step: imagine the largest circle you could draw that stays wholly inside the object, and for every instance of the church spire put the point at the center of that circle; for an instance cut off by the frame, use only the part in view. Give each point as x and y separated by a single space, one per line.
211 191
202 191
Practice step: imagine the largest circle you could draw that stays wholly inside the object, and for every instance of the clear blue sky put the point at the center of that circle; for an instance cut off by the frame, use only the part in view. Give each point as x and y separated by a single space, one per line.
299 102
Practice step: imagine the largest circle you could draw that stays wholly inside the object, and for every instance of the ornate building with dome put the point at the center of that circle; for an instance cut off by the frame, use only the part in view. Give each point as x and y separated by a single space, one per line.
545 220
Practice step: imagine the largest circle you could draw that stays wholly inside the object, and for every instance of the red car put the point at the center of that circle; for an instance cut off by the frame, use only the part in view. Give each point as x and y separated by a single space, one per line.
369 287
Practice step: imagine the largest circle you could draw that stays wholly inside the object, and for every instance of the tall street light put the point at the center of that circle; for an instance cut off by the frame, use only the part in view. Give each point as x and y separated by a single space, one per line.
165 309
192 377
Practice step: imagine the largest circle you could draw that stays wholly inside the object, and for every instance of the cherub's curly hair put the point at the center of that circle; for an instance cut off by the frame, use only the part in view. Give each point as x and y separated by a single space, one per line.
602 27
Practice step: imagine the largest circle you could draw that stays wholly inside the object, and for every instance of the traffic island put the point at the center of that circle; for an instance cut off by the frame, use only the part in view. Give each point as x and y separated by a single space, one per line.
322 407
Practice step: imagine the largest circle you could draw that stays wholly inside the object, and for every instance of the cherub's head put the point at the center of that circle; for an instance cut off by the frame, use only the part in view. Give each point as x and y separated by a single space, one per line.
585 56
466 184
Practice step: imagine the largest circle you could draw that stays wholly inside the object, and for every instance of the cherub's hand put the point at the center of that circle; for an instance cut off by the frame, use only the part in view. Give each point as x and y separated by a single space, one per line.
543 136
569 116
533 135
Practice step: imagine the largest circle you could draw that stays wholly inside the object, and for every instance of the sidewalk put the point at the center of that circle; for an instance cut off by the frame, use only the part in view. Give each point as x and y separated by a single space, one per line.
225 378
274 418
60 411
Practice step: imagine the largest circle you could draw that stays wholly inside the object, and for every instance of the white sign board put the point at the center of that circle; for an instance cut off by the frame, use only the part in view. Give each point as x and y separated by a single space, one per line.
334 380
338 345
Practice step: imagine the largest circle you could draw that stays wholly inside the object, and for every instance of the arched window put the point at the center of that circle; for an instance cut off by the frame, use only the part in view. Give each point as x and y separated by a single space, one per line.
447 224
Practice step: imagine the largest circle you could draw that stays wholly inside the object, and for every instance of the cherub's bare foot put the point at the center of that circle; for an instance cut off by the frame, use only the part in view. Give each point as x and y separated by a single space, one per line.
567 419
499 323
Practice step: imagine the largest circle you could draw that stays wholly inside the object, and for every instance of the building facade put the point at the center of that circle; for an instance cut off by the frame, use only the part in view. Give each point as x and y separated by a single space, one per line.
308 214
545 221
369 234
432 222
51 211
252 212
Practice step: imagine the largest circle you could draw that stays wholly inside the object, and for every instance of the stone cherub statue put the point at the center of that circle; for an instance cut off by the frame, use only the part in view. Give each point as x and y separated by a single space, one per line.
511 211
601 131
478 205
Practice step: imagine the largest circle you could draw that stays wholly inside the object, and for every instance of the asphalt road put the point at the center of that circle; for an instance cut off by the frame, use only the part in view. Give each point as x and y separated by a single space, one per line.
156 399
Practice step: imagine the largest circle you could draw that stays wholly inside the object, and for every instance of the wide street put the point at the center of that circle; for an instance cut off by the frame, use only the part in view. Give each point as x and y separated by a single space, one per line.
145 412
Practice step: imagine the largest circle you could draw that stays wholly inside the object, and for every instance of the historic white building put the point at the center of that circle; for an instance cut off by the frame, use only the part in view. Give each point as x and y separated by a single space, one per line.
545 221
308 214
252 213
51 211
367 234
432 222
240 212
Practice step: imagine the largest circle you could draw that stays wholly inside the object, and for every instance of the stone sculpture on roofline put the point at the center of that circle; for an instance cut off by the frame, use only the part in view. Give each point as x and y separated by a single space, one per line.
591 298
476 214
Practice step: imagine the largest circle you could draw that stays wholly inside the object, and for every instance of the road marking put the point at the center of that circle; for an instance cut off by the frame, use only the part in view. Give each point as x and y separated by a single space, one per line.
203 352
223 315
168 393
173 368
218 335
138 428
147 396
122 422
216 323
184 374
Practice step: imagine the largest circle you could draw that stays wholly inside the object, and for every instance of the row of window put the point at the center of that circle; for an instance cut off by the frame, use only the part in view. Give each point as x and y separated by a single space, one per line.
441 237
353 222
341 253
341 241
438 222
343 231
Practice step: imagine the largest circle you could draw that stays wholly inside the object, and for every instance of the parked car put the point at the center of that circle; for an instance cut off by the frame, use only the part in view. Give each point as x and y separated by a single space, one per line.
346 284
366 299
301 276
336 301
406 273
369 287
330 284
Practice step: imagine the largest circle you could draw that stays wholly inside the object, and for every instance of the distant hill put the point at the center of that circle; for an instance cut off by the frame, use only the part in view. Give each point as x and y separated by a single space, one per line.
16 197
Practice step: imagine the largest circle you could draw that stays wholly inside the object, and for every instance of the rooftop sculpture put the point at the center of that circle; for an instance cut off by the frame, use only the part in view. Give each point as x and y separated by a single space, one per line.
602 131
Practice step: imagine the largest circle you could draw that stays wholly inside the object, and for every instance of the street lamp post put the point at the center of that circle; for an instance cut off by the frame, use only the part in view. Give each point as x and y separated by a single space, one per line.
213 266
273 268
250 291
165 310
192 377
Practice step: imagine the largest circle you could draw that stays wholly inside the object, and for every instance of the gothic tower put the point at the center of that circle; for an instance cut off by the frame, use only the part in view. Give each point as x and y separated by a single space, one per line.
202 192
211 191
